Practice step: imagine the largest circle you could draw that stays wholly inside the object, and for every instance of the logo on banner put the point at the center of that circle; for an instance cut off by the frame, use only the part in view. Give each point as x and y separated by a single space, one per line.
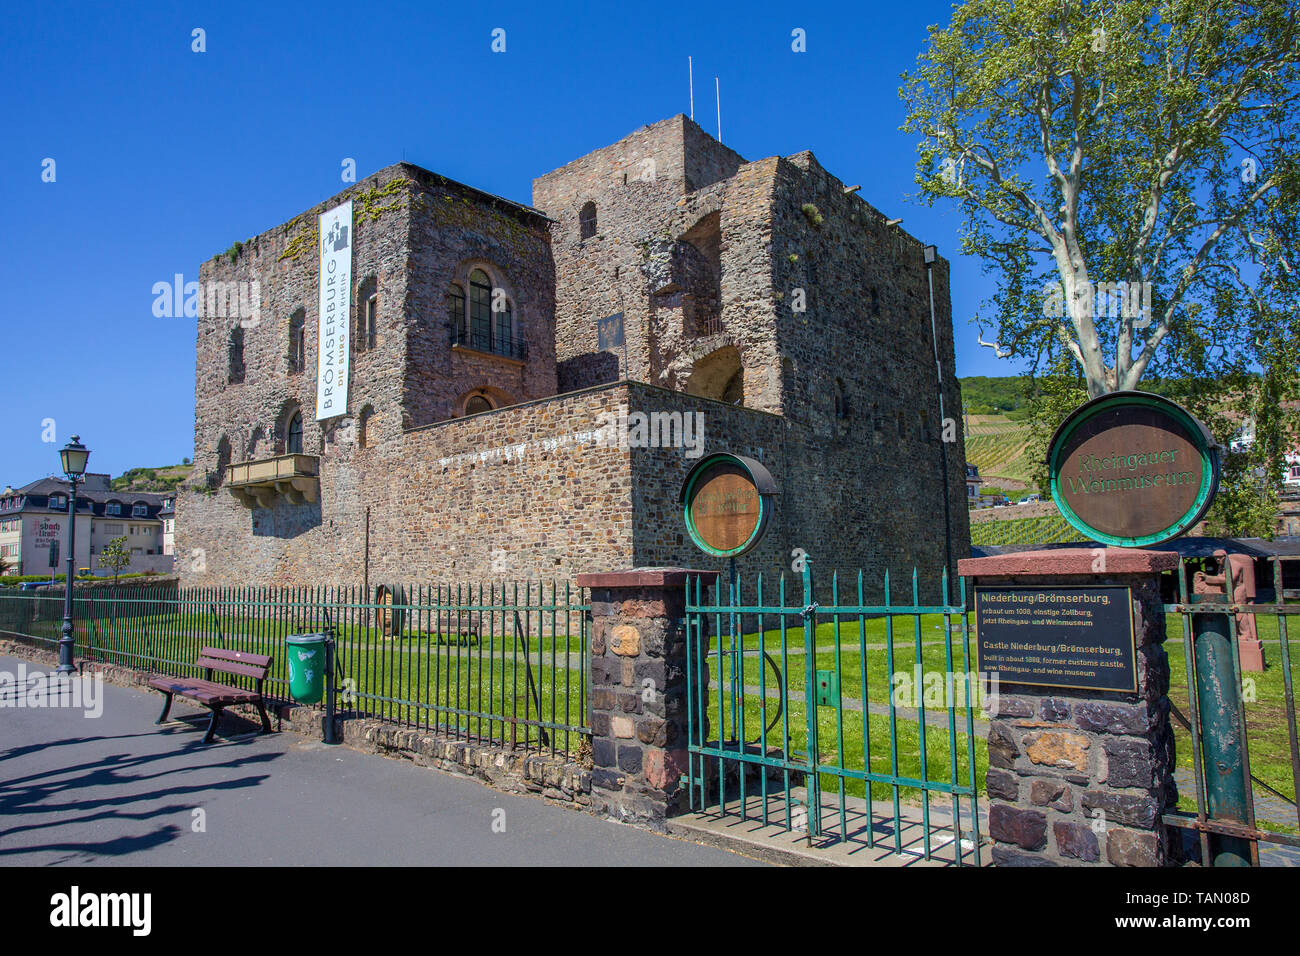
335 300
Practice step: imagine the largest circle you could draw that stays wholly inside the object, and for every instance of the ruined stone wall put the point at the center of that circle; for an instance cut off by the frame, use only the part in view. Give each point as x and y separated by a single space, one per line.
452 232
637 185
858 371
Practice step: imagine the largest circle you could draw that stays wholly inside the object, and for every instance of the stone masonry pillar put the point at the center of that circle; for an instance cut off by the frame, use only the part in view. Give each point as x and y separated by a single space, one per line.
638 691
1081 777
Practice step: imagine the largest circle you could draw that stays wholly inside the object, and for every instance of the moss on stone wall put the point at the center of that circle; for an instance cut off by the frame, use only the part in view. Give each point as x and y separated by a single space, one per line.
303 241
372 203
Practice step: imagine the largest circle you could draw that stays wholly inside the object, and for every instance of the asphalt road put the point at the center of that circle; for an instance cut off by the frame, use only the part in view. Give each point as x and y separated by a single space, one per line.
117 790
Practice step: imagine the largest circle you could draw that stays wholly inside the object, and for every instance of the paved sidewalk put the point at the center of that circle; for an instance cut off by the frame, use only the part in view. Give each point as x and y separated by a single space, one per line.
117 790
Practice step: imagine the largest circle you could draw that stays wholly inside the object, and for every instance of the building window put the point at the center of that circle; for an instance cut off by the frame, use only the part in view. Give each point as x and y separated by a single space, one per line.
295 434
297 341
113 508
367 314
363 427
841 403
480 310
488 330
456 310
587 220
236 370
477 404
139 511
223 462
58 501
372 319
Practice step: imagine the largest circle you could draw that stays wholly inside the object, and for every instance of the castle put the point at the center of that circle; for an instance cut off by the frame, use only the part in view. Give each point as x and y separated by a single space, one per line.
490 346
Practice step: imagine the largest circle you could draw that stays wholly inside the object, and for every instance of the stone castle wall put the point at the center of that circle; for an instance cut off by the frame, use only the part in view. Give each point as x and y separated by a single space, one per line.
253 415
704 253
540 490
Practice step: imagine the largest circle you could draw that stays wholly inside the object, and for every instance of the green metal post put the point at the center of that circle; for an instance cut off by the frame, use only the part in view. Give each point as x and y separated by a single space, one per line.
1218 696
810 700
734 584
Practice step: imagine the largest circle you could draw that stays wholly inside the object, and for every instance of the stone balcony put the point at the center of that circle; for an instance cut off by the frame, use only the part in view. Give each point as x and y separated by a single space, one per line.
257 484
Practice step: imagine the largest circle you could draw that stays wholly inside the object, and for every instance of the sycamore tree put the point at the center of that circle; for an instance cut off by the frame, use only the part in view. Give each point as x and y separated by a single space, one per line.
1128 174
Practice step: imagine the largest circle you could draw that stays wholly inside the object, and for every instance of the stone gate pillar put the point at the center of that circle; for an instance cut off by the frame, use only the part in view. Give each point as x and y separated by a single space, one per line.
1081 777
638 691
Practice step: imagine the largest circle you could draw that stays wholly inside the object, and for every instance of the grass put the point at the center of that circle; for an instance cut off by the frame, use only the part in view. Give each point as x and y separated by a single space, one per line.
857 739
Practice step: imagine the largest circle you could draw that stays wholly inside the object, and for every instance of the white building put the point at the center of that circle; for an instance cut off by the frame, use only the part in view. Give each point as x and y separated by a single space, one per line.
34 517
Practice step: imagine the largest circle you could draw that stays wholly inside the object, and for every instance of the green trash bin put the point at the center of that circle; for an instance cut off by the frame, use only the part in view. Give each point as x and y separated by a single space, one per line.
307 662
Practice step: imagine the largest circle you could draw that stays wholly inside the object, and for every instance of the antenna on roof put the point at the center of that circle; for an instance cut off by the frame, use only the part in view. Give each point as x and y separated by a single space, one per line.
690 69
717 91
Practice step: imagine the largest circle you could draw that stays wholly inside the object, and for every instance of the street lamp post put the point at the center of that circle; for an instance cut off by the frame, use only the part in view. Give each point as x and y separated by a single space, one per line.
73 456
931 255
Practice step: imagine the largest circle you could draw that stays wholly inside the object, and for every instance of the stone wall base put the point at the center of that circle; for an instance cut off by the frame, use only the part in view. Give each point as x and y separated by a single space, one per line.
559 779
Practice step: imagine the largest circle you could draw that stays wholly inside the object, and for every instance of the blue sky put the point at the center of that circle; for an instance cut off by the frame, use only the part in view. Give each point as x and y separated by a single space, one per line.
165 156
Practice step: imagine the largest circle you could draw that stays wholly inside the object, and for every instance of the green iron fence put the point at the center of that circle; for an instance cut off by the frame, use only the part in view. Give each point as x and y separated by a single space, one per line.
1241 726
504 663
802 715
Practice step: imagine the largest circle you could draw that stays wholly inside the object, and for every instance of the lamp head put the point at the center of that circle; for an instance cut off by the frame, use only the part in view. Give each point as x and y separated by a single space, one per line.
74 456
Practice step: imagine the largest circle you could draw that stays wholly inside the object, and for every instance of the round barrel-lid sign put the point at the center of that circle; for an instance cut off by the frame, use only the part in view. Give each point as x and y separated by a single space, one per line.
1133 469
727 501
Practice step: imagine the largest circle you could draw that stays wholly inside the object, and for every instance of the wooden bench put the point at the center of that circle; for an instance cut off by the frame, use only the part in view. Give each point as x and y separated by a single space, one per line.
216 697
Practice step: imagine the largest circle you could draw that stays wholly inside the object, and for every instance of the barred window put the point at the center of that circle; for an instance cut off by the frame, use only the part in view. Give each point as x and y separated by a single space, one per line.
456 308
295 434
587 220
480 310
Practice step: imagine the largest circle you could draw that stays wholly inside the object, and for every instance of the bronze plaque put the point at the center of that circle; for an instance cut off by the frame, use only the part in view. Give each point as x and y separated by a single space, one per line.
725 507
1079 637
1132 471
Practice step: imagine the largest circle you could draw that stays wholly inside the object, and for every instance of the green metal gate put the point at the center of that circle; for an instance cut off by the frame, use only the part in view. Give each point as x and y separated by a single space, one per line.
803 715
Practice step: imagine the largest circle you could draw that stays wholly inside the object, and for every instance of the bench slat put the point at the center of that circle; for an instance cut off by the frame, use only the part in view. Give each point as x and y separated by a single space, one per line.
205 692
231 667
242 657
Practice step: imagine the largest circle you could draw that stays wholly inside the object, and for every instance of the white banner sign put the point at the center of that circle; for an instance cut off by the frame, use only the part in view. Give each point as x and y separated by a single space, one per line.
335 296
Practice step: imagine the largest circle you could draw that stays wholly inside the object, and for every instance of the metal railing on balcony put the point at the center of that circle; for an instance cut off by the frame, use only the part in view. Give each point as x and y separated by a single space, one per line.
482 341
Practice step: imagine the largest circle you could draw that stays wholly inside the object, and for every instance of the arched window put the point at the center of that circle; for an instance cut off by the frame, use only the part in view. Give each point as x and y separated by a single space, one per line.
485 320
294 443
297 340
236 365
587 220
480 311
476 404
